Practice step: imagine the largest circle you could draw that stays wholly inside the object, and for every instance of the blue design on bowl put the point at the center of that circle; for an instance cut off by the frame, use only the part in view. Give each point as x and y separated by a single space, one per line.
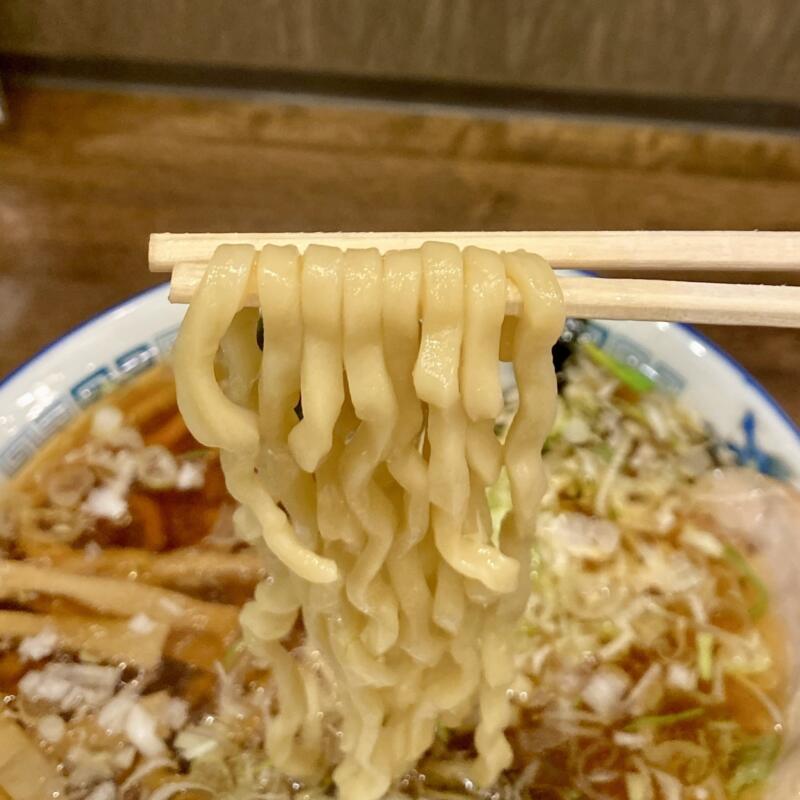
91 388
136 360
750 454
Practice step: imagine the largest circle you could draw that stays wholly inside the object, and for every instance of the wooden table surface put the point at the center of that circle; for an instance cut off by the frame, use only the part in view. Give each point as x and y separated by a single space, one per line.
86 175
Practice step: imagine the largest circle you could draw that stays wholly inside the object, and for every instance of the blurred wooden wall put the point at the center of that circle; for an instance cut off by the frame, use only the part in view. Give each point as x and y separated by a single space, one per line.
741 50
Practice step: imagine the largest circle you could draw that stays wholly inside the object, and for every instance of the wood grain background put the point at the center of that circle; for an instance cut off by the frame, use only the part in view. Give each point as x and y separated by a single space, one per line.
86 175
734 49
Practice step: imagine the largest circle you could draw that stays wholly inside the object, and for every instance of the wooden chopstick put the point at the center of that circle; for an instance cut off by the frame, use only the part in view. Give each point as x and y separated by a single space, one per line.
625 298
590 250
682 301
598 298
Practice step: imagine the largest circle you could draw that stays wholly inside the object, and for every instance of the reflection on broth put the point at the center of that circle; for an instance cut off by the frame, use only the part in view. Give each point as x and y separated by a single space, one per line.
650 665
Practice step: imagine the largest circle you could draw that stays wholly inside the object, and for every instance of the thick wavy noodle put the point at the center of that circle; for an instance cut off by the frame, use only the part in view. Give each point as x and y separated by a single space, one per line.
371 510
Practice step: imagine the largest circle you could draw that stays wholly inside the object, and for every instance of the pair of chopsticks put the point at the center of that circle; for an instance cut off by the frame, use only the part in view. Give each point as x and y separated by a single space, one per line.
186 256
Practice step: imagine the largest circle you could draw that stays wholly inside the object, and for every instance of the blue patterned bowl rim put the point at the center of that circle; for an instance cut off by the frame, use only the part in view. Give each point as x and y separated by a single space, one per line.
36 401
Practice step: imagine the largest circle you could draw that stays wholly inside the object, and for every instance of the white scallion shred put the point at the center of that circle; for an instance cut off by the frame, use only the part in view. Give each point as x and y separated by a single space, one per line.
638 786
618 646
191 475
141 730
144 769
114 715
585 537
681 677
103 791
576 430
169 790
106 502
703 541
604 691
69 687
51 728
142 624
106 421
39 646
602 776
647 692
631 741
92 551
156 468
669 786
193 745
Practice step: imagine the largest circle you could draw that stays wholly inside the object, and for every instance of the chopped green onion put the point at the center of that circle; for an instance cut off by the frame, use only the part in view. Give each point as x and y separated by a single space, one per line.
604 450
753 762
631 410
443 734
629 376
663 720
231 655
705 655
498 496
199 452
738 560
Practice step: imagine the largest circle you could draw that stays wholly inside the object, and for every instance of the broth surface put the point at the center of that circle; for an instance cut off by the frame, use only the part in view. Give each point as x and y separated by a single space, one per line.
649 663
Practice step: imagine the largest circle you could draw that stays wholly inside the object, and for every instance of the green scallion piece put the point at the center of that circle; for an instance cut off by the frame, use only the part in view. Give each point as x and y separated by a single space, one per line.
663 720
753 762
625 374
705 655
232 653
198 452
738 560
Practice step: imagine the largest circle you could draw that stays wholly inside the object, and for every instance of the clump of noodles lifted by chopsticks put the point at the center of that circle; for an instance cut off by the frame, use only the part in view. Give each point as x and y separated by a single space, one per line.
385 549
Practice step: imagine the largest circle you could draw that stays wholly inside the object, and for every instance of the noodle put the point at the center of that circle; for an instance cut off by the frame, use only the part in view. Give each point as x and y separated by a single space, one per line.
321 379
402 283
374 403
217 421
385 550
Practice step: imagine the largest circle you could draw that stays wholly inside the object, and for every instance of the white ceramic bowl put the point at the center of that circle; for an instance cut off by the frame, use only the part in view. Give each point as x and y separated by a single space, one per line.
43 394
